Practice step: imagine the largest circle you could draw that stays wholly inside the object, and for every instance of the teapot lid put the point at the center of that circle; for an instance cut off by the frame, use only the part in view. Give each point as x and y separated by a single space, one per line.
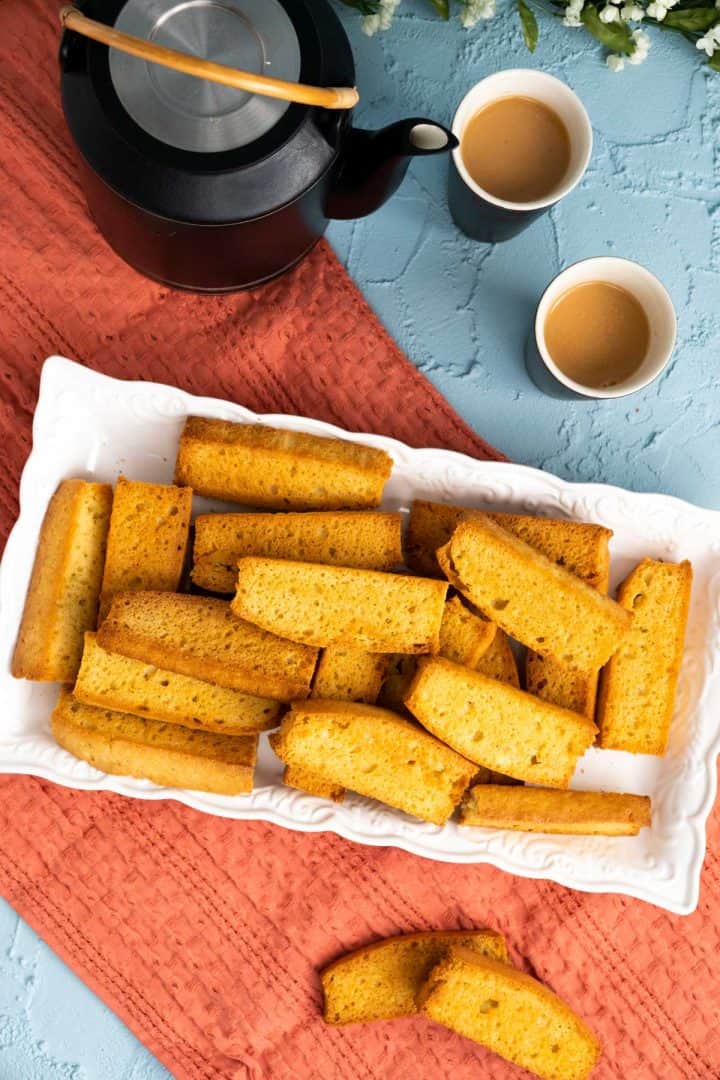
195 114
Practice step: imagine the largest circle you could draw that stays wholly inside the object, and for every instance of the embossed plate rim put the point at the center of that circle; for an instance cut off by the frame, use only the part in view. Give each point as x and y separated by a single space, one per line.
666 873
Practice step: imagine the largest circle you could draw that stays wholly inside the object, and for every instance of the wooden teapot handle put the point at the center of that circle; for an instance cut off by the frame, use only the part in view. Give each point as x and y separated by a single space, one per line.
326 97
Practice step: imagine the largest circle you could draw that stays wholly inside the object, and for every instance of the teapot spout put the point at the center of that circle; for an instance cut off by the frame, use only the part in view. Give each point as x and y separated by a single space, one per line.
373 163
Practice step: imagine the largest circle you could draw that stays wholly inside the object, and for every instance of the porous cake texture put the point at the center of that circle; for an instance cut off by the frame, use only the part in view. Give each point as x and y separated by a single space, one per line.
117 682
148 539
637 691
167 754
498 726
276 469
332 605
510 1013
375 753
532 599
368 540
381 981
201 637
62 597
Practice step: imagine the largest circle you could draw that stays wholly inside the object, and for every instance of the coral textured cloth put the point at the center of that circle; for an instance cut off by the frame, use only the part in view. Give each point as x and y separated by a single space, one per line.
205 935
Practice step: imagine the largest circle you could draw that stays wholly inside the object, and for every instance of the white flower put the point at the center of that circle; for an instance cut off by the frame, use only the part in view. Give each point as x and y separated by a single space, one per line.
632 13
657 10
711 42
382 19
609 14
616 62
474 10
573 12
642 47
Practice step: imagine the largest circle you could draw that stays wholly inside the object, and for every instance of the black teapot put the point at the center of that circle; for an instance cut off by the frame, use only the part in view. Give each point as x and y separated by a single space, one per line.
208 187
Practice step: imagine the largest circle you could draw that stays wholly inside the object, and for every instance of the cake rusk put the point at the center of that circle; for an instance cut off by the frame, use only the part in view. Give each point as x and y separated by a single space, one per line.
637 688
381 981
341 675
338 605
277 469
201 637
62 596
367 540
510 1013
295 776
349 675
167 754
532 809
547 678
401 671
532 599
376 753
464 635
465 638
112 681
148 539
498 726
499 662
580 547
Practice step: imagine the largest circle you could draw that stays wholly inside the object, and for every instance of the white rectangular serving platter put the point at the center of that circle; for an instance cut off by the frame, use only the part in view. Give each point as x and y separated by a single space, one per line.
92 426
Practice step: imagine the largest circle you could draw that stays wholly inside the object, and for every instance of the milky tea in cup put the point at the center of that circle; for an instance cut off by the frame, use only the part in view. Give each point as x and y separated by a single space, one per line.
516 148
604 328
524 143
597 333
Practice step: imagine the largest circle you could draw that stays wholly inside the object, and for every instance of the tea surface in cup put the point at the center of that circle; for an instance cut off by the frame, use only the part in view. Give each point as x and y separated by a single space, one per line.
516 148
597 334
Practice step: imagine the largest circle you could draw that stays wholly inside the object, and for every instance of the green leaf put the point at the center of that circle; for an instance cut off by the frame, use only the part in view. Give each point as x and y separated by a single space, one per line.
529 25
696 20
614 36
714 61
365 7
442 7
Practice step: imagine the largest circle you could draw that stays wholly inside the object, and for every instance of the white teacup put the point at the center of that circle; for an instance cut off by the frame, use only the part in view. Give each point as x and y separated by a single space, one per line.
483 216
650 293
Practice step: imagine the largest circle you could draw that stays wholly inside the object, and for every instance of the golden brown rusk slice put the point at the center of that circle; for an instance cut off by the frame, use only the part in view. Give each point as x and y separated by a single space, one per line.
511 1014
497 726
334 605
531 809
367 540
276 469
169 755
580 547
381 981
62 597
117 682
637 689
148 539
535 601
375 753
201 637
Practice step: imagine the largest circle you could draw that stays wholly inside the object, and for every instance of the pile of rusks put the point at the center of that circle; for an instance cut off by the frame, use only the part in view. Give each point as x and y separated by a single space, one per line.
386 664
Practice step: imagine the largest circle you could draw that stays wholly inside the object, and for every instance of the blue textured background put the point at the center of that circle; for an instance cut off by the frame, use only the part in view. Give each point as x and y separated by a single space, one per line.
462 312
